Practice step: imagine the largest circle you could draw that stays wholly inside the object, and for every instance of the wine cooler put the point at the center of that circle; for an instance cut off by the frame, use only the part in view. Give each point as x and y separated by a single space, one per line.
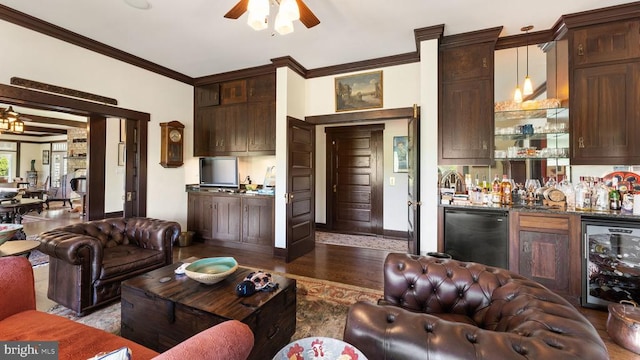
611 262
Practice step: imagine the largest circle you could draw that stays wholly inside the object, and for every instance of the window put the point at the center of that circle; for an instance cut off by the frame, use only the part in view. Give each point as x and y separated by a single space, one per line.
8 151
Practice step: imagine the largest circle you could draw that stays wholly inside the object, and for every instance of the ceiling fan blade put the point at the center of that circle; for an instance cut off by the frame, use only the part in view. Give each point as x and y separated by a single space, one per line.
237 11
306 16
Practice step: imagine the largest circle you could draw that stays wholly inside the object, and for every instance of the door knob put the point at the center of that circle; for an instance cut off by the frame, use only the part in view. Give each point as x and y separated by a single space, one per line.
335 188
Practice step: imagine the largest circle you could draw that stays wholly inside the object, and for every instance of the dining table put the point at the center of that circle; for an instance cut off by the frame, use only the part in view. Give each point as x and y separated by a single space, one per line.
12 210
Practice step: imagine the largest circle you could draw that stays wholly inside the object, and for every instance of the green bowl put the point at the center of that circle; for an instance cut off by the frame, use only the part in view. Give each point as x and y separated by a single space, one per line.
211 270
7 231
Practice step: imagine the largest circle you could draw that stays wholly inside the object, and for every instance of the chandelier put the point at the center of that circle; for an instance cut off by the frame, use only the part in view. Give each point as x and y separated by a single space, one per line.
10 121
288 12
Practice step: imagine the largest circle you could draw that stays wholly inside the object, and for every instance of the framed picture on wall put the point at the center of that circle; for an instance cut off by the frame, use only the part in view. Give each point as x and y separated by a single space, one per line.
45 157
400 159
360 91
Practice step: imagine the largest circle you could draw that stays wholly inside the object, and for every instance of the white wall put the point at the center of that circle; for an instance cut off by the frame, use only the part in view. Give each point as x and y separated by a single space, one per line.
45 59
255 167
429 146
33 151
114 173
400 88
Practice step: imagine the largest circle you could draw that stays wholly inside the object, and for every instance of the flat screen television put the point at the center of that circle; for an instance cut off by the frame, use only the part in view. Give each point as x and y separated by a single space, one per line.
219 171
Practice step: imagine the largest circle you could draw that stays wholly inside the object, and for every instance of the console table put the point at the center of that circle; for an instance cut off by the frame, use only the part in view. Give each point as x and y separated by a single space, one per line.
11 211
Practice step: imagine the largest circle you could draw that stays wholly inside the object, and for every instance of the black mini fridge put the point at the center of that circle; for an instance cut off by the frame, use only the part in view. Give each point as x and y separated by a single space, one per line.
611 262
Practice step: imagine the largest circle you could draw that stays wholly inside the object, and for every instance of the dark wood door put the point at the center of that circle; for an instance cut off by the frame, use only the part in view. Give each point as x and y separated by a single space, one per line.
413 191
300 188
619 40
604 105
203 128
200 215
355 175
132 168
235 128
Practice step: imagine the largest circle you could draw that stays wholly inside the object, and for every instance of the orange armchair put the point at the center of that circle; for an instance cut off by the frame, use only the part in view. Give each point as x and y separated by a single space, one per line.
20 321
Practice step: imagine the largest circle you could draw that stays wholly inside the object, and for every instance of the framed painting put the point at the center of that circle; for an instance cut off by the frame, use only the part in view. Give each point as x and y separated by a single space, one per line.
45 157
400 159
360 91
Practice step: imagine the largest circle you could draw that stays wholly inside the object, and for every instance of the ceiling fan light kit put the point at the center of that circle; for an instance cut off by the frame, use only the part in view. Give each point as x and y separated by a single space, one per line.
288 12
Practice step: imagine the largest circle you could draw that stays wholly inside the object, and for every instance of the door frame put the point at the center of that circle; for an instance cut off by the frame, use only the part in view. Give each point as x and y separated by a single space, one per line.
97 115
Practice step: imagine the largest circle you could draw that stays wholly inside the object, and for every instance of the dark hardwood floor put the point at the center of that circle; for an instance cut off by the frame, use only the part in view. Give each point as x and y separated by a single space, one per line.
348 265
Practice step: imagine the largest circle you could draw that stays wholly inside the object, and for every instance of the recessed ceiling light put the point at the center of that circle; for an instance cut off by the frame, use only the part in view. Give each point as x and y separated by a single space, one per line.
138 4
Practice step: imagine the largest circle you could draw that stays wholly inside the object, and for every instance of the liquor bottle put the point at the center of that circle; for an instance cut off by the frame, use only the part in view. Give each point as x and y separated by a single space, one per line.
583 195
600 201
505 190
496 194
614 196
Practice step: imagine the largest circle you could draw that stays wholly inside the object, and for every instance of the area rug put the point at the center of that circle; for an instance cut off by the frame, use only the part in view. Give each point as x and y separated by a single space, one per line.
363 241
322 308
38 258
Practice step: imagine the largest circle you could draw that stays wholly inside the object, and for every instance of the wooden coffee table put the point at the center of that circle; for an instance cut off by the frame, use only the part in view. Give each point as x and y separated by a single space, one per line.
159 315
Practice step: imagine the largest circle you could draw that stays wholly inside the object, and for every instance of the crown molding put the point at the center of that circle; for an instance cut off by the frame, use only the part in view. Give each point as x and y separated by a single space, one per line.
27 21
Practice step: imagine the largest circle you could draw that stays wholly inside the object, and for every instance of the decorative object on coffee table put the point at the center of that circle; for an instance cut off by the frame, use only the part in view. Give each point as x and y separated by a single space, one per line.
211 270
319 348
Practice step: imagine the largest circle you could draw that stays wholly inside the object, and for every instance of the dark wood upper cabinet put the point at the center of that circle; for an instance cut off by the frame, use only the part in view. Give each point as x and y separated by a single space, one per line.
465 120
233 92
244 122
207 95
262 88
604 96
606 42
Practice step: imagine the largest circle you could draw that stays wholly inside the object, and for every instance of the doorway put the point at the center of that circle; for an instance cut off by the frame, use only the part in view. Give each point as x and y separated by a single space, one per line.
355 176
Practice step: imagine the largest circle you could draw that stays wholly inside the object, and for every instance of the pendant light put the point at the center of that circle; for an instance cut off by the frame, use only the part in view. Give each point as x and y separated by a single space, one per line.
517 95
527 88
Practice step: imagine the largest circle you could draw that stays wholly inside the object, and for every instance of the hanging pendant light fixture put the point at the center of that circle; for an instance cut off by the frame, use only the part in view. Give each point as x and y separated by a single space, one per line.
10 121
517 95
527 88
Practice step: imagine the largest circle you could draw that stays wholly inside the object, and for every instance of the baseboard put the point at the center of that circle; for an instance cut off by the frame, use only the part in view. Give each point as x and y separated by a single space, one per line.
390 234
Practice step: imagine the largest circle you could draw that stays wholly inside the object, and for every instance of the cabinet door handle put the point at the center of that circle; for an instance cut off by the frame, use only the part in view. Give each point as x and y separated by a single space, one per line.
246 208
484 62
526 248
484 144
580 50
581 142
215 206
335 188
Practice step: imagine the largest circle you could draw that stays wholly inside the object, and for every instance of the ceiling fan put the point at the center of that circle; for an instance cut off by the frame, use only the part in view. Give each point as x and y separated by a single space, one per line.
306 15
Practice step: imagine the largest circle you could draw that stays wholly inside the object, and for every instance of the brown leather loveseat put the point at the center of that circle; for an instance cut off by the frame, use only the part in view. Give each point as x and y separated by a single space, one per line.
446 309
89 260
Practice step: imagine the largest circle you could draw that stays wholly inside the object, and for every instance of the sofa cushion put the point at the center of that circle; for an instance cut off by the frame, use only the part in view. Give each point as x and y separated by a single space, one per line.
125 259
32 324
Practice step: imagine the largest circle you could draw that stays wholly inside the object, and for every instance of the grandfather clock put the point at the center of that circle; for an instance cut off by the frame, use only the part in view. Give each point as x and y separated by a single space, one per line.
171 144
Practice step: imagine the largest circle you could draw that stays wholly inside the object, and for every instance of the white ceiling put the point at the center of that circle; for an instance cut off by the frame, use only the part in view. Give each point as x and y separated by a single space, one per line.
192 36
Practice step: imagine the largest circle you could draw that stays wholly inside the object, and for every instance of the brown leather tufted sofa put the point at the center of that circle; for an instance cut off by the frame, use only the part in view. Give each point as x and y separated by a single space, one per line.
89 260
446 309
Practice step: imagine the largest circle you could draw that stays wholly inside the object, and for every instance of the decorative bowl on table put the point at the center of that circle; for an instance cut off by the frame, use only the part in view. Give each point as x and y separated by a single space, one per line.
7 231
251 187
211 270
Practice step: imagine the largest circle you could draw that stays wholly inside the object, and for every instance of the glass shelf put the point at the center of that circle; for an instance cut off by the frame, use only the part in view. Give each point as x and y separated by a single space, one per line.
532 158
535 136
549 114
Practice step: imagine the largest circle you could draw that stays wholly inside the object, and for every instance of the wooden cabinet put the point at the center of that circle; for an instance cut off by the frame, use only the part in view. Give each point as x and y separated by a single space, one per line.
244 122
234 220
466 98
257 221
207 95
604 92
546 248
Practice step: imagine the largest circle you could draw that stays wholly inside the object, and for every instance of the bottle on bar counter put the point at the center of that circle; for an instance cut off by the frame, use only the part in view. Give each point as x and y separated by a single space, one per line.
615 203
496 194
505 190
583 195
600 201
